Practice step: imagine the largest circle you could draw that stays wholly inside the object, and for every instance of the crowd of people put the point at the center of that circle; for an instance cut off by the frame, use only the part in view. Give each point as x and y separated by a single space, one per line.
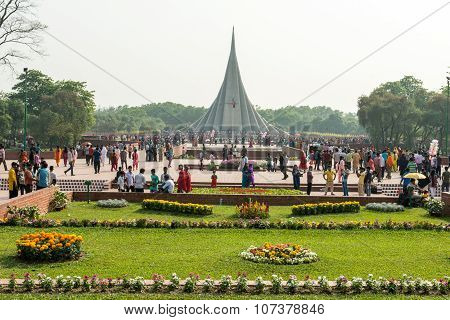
28 171
337 164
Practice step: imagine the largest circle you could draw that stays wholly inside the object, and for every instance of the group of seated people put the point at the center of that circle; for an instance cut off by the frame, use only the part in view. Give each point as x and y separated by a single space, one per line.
128 181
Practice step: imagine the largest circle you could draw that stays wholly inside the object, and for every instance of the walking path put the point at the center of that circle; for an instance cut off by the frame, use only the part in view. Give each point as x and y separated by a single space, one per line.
84 172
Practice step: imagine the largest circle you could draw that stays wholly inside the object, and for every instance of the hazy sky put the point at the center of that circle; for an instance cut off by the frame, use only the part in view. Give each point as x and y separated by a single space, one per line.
177 50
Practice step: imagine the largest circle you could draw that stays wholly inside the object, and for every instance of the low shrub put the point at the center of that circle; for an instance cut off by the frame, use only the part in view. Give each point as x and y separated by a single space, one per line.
253 210
385 207
49 246
325 207
284 253
172 206
435 207
226 285
28 212
59 201
112 203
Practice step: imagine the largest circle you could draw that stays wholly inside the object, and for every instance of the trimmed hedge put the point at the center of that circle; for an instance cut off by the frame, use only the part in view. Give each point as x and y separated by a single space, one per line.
172 206
325 207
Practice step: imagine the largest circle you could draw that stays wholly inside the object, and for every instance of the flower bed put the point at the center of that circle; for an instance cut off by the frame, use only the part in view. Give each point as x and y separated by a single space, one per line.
226 284
325 207
253 210
253 191
385 207
172 206
280 254
291 224
27 212
49 246
112 203
435 207
59 201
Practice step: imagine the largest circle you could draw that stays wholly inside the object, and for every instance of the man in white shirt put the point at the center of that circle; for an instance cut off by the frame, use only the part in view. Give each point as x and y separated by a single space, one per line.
139 181
104 152
163 176
382 166
121 182
129 177
71 161
168 185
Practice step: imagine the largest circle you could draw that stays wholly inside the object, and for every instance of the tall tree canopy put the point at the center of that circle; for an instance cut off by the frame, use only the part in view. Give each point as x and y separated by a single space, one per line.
402 113
59 111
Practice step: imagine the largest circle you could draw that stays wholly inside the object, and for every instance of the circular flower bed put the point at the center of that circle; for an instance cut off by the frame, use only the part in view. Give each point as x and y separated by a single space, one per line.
284 253
49 246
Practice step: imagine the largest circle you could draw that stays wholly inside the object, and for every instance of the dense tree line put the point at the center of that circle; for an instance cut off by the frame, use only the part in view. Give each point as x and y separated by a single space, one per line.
176 116
317 119
403 113
58 111
145 118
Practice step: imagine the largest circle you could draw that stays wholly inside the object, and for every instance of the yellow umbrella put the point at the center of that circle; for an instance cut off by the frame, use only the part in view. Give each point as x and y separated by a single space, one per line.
415 175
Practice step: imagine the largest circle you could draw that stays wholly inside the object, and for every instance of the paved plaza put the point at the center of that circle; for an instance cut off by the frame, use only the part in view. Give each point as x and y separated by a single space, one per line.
84 172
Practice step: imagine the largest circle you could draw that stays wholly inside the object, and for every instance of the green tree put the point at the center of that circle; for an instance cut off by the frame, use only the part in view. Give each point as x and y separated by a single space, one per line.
395 111
5 120
31 88
59 112
11 118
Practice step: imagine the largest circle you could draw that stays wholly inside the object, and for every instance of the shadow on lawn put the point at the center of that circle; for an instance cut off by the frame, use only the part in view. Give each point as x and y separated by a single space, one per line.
426 215
10 261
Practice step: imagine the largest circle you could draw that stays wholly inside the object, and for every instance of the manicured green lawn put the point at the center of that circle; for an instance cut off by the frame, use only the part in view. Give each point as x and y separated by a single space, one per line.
183 296
82 210
142 252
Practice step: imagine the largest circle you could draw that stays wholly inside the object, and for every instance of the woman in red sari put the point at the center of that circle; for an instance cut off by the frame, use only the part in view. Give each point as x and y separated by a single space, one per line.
187 180
181 179
303 161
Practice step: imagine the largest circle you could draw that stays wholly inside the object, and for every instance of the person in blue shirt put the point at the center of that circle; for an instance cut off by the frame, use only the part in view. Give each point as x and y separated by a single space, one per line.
43 176
345 175
96 157
384 154
405 181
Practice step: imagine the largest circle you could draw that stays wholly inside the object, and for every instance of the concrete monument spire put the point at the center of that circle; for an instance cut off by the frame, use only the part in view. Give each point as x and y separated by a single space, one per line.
232 109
